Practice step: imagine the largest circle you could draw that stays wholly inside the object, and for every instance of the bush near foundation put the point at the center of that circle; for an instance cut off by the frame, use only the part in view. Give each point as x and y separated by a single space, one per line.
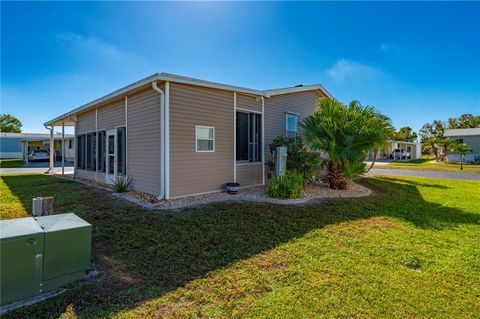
289 186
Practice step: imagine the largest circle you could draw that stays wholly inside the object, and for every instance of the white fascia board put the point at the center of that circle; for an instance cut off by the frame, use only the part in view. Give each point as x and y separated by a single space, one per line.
184 80
272 92
146 81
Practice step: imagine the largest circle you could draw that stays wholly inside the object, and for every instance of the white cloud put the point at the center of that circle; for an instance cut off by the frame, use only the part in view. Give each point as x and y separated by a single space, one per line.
343 70
88 45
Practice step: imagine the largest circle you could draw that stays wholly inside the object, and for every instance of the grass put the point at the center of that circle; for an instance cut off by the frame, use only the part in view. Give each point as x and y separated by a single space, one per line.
11 162
410 250
430 165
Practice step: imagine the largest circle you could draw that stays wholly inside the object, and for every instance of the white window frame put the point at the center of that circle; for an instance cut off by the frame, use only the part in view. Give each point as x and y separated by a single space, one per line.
287 114
196 139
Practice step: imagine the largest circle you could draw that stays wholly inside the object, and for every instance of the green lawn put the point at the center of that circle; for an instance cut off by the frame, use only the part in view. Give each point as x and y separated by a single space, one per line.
430 164
411 250
11 162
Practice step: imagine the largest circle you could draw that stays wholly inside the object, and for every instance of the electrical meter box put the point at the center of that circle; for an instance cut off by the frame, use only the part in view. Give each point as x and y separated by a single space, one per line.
42 253
67 249
21 259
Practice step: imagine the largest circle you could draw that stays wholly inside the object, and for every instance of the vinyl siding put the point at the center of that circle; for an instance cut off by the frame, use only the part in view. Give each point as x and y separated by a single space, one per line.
111 115
301 103
248 102
143 141
86 122
472 141
249 174
192 172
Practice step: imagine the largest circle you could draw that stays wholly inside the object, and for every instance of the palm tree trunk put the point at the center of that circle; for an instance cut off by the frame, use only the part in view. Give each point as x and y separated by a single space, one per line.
461 162
333 174
335 178
373 162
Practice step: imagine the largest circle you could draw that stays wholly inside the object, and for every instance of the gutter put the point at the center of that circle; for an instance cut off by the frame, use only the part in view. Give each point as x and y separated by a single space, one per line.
162 140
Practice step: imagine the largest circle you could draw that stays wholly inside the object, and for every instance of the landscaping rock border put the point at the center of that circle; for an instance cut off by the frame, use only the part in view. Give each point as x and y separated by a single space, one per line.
253 194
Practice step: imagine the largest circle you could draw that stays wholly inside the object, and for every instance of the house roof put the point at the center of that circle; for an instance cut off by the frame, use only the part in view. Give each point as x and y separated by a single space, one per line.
403 142
66 118
462 132
33 136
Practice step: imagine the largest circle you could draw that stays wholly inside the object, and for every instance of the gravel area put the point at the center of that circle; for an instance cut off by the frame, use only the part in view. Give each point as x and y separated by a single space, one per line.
256 194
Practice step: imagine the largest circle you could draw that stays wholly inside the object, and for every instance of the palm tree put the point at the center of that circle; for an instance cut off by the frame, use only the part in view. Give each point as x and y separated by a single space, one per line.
346 134
462 149
430 145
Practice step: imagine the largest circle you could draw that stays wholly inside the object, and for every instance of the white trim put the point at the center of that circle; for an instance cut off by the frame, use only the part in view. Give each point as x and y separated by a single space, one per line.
286 122
167 140
107 154
318 87
126 136
184 80
263 141
242 163
234 137
203 139
63 149
248 111
96 144
162 139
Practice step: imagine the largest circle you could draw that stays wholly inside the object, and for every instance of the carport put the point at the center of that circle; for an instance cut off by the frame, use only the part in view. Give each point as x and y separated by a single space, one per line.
59 122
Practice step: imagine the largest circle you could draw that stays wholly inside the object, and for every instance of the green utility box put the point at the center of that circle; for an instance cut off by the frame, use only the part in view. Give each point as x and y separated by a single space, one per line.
41 254
21 259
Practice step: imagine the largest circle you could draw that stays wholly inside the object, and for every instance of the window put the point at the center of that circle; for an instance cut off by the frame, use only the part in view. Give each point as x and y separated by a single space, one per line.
121 163
248 136
101 151
70 144
291 125
205 138
81 151
459 140
91 151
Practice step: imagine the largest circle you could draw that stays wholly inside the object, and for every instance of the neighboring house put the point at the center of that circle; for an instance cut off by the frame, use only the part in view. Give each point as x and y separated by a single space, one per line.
469 136
178 136
20 145
398 150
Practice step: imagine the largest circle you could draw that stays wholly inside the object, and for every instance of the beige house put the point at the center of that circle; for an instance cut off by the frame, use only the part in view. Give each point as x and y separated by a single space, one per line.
178 136
469 136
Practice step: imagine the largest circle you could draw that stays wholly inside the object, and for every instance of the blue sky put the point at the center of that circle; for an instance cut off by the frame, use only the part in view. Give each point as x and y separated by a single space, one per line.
415 62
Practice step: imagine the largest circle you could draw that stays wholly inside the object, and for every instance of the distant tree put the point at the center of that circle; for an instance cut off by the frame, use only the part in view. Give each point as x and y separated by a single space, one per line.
462 149
10 124
405 134
464 121
431 146
452 123
437 128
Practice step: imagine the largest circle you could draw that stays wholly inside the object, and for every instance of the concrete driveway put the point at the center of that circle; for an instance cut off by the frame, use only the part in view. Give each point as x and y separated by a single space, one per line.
429 174
38 167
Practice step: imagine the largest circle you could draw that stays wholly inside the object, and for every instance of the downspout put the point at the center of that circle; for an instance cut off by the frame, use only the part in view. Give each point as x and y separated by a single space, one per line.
162 140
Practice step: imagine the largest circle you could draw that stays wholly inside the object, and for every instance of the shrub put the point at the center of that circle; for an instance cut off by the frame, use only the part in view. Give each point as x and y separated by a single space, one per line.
121 184
299 158
288 186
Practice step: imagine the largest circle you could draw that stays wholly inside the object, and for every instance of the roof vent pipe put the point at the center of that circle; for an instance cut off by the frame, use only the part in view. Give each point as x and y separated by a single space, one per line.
162 140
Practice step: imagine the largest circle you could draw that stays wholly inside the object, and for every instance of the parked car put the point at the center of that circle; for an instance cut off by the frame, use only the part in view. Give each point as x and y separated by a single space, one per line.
39 155
398 154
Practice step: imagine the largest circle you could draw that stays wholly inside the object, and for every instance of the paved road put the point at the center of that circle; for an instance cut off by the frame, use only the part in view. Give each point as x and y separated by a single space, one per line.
58 170
431 174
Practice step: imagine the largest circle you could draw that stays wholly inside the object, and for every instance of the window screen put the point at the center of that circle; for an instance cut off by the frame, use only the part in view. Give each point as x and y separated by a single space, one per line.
205 138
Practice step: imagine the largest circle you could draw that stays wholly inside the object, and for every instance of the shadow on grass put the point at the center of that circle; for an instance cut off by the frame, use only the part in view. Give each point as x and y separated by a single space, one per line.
143 254
415 183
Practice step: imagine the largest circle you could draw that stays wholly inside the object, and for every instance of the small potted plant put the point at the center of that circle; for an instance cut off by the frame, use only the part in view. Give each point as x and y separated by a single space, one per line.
232 188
